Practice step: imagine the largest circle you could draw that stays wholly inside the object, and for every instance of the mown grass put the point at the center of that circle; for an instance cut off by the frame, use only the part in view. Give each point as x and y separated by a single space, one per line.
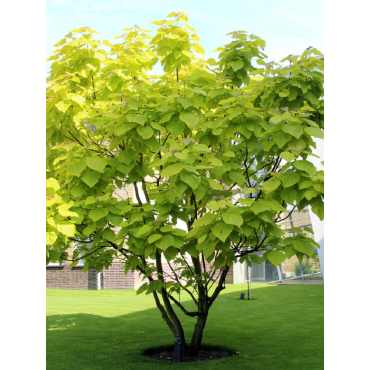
282 328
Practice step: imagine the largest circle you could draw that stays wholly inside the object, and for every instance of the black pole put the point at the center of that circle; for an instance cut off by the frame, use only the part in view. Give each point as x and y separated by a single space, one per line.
178 354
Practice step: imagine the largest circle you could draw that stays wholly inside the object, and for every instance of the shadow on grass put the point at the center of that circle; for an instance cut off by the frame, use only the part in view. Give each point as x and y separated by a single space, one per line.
282 327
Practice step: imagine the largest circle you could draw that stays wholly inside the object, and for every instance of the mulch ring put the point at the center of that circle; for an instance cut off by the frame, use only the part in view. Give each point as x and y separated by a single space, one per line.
203 355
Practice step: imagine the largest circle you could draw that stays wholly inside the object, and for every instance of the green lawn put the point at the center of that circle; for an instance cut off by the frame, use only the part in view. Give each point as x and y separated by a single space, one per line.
281 328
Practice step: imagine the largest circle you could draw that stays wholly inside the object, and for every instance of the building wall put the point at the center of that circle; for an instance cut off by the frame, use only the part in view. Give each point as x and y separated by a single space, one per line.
113 278
75 278
229 277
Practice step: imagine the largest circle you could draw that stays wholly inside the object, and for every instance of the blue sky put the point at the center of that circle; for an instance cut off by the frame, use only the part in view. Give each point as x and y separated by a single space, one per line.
287 26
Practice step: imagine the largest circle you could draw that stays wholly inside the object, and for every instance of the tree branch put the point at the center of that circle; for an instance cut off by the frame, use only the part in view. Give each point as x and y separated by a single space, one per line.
183 309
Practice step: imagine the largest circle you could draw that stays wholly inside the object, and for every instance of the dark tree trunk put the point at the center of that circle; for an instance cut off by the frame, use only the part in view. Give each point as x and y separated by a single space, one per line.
204 303
196 340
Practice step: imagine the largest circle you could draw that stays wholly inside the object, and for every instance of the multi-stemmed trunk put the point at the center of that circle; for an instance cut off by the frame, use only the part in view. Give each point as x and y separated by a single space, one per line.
204 303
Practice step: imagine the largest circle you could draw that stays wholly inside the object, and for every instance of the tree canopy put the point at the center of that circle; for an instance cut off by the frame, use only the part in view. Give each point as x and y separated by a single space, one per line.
219 145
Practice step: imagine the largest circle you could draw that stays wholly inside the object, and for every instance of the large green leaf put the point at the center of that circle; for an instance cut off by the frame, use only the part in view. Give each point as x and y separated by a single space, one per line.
314 131
258 206
124 127
140 119
318 209
276 257
165 118
305 166
152 144
274 205
154 237
246 201
190 178
145 132
311 97
89 229
96 163
76 169
198 48
143 231
289 179
232 217
109 235
172 170
51 238
98 213
281 138
238 65
304 247
142 289
222 231
64 211
185 102
271 185
294 130
90 200
205 220
215 185
78 190
216 205
54 255
90 177
115 219
208 250
290 251
183 154
165 241
189 118
237 176
289 195
236 112
255 259
201 148
176 128
66 228
215 162
125 157
288 156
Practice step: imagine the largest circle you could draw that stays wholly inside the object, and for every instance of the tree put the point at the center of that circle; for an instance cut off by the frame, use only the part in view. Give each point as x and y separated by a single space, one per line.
218 145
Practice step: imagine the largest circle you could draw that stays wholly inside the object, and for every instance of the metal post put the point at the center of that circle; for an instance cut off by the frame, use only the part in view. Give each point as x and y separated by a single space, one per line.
250 283
99 281
279 273
300 264
248 280
178 354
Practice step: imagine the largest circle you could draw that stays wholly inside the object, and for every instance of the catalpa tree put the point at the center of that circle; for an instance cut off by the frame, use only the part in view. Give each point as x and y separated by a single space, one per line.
219 145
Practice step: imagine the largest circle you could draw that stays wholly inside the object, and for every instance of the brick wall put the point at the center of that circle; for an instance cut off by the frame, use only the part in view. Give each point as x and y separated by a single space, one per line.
229 277
113 278
75 278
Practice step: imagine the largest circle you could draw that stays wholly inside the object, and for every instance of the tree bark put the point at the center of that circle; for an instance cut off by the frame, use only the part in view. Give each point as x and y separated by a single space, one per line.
174 324
196 340
204 303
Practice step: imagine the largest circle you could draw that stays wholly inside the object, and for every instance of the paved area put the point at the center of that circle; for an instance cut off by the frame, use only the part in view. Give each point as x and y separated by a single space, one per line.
302 282
292 282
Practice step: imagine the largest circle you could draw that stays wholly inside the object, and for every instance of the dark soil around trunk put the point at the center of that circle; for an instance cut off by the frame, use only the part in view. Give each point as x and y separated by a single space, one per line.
203 355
